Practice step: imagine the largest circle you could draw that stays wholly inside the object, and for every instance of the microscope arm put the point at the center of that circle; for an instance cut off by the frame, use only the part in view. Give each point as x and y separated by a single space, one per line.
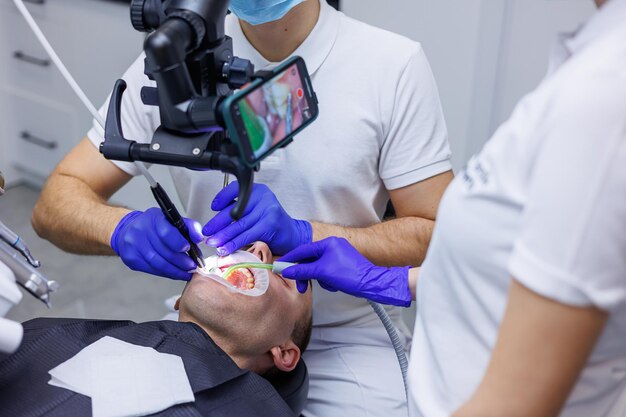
188 152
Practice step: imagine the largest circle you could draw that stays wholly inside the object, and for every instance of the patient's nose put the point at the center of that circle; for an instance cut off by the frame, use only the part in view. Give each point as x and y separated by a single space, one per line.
261 251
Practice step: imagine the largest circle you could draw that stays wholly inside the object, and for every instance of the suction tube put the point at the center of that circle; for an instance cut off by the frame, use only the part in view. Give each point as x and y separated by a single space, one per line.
395 341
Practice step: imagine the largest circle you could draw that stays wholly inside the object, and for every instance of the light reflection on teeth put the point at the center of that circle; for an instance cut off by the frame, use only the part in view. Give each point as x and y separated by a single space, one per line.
241 278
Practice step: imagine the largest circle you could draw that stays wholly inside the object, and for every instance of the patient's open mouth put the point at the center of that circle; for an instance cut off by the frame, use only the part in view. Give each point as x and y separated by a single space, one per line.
240 272
241 278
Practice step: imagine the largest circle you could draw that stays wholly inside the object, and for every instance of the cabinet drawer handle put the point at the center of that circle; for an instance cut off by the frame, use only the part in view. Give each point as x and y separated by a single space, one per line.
38 141
31 59
35 1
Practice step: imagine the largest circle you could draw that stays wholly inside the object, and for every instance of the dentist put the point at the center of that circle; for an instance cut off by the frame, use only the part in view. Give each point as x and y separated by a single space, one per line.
380 137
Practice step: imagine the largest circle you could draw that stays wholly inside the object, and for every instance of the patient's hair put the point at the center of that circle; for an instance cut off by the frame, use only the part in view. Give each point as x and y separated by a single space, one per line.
301 334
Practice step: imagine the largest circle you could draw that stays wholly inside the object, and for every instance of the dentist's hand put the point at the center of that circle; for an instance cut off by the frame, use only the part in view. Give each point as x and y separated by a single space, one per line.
338 266
147 242
264 220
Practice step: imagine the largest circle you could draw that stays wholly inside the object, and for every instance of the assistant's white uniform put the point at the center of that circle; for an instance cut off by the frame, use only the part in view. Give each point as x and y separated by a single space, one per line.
380 128
545 203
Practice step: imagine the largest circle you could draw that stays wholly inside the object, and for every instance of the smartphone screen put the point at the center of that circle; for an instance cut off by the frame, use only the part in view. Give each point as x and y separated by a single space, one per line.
276 110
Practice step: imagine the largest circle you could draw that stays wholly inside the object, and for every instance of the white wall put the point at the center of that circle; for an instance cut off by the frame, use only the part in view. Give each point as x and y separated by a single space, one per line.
485 53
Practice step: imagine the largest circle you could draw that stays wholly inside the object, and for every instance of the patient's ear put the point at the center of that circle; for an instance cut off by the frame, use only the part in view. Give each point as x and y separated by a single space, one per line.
286 357
177 304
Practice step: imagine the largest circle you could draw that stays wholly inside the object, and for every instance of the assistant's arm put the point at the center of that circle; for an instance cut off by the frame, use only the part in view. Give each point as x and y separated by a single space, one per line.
416 208
542 347
338 266
72 211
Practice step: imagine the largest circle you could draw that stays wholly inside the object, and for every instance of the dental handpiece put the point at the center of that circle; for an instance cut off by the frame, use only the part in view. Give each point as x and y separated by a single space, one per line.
26 276
173 216
18 244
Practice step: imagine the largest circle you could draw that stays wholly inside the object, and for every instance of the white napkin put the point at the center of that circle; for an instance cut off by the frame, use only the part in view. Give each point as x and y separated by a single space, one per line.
123 379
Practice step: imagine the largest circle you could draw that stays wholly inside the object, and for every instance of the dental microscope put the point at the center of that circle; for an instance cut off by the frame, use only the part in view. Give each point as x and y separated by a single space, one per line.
191 59
17 267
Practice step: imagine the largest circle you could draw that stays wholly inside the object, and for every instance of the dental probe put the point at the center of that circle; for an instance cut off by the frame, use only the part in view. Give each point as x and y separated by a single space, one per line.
168 208
27 277
176 220
18 244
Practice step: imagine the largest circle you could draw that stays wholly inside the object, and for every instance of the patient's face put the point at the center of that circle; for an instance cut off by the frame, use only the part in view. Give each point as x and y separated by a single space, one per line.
254 323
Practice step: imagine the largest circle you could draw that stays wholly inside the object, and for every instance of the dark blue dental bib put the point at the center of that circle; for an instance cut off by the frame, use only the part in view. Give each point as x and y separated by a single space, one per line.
220 387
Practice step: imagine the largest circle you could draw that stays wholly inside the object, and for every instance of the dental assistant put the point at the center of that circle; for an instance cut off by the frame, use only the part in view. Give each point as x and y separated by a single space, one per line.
380 136
522 298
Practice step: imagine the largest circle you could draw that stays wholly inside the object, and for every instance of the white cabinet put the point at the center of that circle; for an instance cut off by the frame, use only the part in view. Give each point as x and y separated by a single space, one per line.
40 129
41 119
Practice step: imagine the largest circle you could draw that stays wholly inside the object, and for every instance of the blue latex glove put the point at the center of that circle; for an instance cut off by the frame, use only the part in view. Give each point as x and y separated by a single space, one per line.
338 266
147 242
264 220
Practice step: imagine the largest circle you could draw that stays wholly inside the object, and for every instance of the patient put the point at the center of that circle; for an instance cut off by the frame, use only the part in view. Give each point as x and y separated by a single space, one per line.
260 334
226 340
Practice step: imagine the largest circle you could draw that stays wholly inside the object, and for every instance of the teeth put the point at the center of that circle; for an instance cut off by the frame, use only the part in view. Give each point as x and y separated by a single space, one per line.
242 279
247 273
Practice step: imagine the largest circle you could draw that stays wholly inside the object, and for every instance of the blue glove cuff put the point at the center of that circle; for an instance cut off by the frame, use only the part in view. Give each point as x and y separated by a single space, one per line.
120 226
305 231
404 290
390 286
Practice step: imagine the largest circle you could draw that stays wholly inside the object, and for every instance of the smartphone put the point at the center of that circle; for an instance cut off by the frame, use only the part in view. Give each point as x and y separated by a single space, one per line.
266 114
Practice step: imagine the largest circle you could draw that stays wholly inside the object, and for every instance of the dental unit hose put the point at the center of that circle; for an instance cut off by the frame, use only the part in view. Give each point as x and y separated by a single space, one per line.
398 347
13 240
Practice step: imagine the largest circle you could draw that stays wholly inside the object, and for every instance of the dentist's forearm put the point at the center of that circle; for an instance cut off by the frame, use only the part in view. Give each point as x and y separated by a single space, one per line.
397 242
74 218
72 211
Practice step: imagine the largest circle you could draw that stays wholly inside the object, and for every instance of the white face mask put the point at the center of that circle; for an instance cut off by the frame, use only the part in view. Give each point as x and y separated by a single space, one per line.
257 12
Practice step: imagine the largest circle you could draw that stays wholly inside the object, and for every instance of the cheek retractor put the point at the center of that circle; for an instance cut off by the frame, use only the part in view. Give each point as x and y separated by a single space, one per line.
276 267
252 281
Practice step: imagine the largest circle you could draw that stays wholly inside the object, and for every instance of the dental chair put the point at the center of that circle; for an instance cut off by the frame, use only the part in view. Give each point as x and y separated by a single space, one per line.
293 387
